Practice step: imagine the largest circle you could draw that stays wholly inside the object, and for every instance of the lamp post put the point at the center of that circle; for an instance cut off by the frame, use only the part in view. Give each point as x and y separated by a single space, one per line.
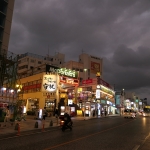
122 101
85 70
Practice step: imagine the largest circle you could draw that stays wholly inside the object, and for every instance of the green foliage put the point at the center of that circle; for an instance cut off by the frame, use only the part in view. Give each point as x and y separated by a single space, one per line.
2 116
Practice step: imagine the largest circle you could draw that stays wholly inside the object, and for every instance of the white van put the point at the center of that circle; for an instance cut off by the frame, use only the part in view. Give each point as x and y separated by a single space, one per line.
129 113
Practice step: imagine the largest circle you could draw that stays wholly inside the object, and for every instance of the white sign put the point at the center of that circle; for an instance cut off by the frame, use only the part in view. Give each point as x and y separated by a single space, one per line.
70 101
97 93
49 83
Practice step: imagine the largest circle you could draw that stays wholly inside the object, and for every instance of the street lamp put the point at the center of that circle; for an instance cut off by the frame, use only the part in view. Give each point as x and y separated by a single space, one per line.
122 100
85 70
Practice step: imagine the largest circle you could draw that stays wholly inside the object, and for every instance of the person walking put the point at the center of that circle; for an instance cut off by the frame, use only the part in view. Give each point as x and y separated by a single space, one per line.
105 112
7 116
44 112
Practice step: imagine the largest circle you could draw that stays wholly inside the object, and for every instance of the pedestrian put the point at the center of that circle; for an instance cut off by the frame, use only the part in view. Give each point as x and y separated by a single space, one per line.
93 113
105 112
101 112
7 116
44 112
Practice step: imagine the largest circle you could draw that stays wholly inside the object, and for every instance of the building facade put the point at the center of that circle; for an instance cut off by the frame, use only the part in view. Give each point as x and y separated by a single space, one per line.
87 66
6 13
34 62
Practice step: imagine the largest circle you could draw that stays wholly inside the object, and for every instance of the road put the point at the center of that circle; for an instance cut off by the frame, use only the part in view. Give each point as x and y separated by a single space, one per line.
108 133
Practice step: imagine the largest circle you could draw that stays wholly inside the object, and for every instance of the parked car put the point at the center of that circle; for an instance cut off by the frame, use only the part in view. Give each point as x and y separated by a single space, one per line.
129 113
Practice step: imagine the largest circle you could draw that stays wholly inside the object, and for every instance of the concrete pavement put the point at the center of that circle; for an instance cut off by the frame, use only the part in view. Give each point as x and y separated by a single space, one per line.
50 122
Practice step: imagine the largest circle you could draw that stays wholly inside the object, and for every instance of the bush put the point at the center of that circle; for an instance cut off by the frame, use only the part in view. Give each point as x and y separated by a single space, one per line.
2 116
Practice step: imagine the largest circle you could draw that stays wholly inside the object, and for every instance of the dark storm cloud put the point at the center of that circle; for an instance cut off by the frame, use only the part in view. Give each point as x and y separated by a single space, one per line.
129 70
117 30
127 57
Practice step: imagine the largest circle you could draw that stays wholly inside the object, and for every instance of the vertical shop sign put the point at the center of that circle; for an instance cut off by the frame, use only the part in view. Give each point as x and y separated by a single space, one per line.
97 93
49 83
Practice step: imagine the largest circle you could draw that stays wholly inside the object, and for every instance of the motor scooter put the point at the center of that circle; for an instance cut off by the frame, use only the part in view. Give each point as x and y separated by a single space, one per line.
64 125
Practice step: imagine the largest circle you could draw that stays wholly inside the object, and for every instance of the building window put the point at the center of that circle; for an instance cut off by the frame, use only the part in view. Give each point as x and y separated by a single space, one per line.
81 70
32 60
39 62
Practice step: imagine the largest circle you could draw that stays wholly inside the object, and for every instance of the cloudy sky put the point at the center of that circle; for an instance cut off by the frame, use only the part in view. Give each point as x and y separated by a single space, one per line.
116 30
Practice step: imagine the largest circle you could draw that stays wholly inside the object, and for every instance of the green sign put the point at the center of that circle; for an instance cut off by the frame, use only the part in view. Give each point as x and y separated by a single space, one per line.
103 102
68 72
62 71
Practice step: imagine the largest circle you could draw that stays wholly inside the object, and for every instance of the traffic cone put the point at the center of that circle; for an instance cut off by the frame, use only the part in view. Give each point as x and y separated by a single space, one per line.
43 127
51 123
36 125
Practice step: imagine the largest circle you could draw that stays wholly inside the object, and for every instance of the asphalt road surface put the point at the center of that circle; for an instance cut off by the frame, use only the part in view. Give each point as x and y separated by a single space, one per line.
107 133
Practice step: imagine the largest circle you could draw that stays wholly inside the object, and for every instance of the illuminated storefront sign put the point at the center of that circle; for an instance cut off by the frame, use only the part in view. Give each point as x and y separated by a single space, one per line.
29 87
88 81
49 83
67 72
69 81
97 93
106 90
62 71
94 81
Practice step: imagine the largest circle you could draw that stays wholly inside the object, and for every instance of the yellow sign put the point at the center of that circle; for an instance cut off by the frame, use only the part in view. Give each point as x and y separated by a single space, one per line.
98 74
79 112
147 106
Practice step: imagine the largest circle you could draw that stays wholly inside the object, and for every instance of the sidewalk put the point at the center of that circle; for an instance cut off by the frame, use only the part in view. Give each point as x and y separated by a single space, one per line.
29 124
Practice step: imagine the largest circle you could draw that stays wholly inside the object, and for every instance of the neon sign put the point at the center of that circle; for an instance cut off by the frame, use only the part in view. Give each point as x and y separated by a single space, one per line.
69 81
62 71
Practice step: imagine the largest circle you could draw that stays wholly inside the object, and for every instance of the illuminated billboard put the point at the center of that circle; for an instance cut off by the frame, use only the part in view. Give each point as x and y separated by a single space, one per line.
95 67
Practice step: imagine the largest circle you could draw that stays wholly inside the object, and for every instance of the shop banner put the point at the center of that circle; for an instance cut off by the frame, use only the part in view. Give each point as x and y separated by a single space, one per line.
49 83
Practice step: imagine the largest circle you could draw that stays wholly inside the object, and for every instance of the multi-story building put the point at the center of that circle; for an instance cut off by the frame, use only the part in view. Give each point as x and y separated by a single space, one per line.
33 62
127 100
6 13
39 76
87 66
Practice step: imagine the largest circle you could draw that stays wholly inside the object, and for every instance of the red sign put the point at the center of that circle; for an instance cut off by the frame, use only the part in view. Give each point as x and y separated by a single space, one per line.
3 104
32 86
102 82
94 81
69 81
88 81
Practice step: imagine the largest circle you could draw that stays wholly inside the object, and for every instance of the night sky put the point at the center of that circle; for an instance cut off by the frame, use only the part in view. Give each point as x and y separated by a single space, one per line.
116 30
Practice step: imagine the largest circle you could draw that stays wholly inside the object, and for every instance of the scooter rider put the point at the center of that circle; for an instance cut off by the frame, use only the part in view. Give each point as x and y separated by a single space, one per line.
67 119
